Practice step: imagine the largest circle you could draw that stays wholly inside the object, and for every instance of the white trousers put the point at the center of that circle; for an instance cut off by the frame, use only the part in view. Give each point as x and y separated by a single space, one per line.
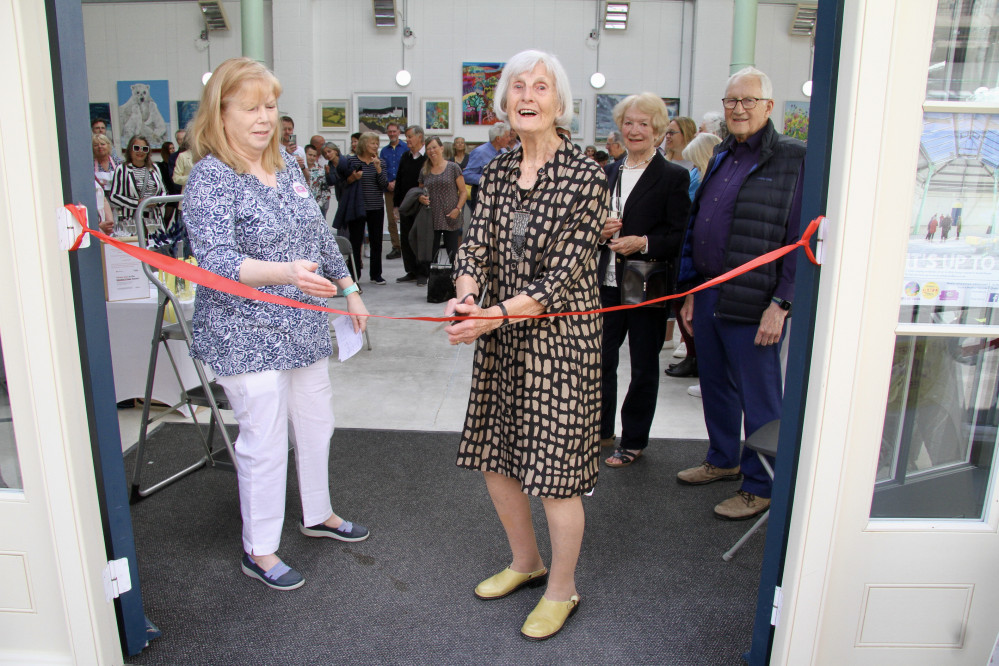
265 404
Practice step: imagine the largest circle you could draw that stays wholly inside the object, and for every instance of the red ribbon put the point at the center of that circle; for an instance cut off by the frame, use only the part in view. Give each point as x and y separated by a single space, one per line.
198 275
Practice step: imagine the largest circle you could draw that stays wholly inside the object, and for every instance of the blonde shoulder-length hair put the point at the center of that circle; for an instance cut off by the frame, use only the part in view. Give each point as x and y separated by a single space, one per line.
231 79
700 149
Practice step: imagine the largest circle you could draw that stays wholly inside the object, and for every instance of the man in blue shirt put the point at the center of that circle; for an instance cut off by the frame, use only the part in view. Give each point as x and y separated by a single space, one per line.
499 139
748 204
392 153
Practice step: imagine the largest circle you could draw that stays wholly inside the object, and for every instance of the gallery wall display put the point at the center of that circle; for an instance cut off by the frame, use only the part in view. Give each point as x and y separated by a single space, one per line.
478 87
102 111
603 112
144 109
374 111
186 112
333 115
576 128
672 106
796 120
437 115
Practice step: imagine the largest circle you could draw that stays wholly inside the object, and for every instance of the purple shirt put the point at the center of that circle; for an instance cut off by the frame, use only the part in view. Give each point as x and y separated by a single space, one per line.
710 232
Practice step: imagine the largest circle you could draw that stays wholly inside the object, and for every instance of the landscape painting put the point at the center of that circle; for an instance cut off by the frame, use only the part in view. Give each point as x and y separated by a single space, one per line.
375 111
604 115
333 115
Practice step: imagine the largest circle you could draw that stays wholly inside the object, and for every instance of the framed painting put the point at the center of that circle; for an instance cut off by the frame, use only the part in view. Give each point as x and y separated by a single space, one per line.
185 113
478 88
102 111
144 109
576 128
603 112
333 115
672 106
796 120
437 115
374 111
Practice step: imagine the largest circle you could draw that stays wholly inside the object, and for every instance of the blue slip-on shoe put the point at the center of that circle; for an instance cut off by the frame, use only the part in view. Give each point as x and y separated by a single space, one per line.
347 531
279 577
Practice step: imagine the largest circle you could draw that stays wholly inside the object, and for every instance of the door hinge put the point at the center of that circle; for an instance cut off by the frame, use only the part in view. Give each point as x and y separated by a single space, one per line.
117 579
778 604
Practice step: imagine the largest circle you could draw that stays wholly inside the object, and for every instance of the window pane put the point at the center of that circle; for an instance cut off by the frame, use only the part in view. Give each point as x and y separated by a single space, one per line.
952 266
964 62
939 437
10 469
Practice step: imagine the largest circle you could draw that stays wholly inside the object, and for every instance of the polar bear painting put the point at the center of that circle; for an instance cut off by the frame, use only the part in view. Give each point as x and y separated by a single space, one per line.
140 114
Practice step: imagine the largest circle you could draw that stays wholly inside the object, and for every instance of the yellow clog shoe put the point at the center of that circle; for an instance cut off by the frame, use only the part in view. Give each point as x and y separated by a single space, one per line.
547 618
508 581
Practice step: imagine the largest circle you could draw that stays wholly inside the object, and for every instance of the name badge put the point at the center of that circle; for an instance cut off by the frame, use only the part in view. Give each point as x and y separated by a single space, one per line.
300 190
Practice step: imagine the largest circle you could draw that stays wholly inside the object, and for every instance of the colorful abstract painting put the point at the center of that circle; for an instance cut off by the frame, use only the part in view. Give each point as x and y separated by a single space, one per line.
796 120
437 115
478 87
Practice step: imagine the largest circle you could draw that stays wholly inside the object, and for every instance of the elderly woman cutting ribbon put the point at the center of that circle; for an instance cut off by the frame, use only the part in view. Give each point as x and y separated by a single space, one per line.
533 414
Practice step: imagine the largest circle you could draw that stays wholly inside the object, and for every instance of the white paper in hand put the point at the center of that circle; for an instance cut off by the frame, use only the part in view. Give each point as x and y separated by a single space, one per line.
347 340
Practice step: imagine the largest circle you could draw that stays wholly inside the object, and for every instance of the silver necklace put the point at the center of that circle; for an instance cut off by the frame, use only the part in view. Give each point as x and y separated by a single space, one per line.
640 164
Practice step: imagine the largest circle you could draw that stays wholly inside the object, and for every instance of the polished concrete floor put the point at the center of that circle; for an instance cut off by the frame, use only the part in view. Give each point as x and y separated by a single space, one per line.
412 379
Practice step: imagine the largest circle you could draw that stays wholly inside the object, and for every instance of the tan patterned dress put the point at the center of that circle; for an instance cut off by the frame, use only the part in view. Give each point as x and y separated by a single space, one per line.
534 407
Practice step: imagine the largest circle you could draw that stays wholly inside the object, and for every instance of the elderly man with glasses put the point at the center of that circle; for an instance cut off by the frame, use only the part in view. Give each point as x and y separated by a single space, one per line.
748 204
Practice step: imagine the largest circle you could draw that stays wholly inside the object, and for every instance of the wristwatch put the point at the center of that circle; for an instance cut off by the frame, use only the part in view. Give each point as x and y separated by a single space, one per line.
782 304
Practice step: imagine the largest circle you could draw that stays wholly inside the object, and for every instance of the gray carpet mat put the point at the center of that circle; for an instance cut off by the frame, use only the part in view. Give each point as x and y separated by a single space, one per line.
653 585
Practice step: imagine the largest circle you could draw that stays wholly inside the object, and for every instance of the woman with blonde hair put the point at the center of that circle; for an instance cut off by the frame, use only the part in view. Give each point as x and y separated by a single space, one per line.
698 152
374 184
134 181
678 134
251 218
649 207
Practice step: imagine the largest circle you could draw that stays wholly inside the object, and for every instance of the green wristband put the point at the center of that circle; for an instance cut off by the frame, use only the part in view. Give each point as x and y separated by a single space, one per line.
351 289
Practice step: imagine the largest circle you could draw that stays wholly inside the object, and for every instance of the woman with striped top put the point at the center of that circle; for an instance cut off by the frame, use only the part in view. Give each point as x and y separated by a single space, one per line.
135 180
374 183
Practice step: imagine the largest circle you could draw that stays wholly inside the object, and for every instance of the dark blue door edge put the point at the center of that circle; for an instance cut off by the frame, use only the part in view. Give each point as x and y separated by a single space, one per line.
69 80
829 28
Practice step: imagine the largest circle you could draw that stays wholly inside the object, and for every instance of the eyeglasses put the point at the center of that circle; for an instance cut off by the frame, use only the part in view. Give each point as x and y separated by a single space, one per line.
671 132
747 102
140 149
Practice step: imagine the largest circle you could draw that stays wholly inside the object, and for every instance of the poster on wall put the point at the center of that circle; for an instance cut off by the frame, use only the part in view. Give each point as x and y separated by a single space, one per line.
438 115
796 120
603 121
376 110
144 109
672 106
102 111
576 128
478 87
333 115
185 113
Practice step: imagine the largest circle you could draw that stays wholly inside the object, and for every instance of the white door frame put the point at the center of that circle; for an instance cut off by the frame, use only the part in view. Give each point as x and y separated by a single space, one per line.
53 528
884 56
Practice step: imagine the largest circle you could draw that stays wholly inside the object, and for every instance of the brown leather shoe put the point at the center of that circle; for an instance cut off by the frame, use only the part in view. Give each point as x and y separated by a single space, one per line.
742 506
707 473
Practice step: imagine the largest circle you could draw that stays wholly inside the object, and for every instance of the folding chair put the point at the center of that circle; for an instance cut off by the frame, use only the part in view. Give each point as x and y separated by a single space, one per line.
764 443
347 250
206 394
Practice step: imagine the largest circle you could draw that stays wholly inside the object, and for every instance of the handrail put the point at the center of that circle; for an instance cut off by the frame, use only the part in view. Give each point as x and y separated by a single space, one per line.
140 234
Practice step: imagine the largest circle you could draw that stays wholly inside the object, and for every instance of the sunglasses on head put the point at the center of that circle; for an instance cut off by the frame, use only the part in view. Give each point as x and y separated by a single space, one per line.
141 149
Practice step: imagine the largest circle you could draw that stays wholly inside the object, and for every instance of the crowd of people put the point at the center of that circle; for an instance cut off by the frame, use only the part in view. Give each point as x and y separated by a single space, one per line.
533 224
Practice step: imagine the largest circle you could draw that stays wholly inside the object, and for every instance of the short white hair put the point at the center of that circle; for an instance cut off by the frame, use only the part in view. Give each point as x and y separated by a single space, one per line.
525 61
766 87
497 130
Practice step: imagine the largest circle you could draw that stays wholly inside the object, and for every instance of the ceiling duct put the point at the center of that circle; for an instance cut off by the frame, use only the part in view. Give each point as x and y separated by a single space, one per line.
214 15
384 13
803 23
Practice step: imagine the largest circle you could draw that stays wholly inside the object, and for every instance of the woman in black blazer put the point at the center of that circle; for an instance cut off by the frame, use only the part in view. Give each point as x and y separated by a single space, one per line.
652 194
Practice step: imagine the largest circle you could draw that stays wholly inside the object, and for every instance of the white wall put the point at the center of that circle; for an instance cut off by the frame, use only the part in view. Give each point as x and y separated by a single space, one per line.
330 49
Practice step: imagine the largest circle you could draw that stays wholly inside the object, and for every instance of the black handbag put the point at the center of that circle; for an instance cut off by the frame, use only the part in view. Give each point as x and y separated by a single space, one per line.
645 280
440 286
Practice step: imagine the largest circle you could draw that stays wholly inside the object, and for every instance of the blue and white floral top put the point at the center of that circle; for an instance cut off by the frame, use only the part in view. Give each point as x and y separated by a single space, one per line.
231 216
